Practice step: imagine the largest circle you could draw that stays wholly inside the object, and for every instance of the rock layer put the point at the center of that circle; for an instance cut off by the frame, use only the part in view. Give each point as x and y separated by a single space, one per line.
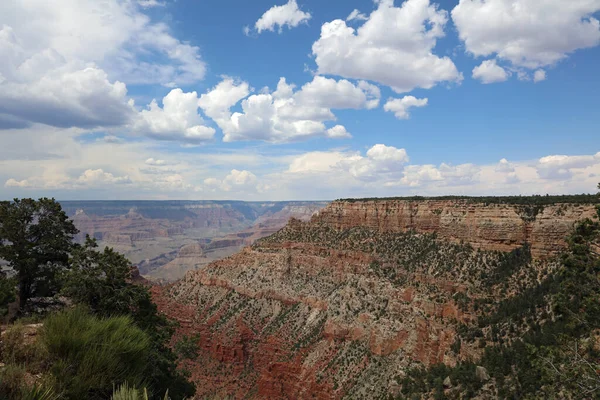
502 227
342 305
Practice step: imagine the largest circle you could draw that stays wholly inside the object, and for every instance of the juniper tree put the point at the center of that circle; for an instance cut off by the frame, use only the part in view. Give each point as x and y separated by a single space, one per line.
102 280
35 239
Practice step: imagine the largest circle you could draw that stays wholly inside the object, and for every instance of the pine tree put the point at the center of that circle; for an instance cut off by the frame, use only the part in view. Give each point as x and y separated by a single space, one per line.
35 239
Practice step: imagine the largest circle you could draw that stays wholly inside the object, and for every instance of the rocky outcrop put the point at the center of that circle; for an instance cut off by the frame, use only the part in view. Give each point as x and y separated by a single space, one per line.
342 305
502 227
191 251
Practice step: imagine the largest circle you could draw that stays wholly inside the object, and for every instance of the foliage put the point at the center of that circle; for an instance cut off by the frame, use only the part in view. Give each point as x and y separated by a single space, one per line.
187 347
102 281
17 350
12 377
13 385
90 355
545 357
37 392
35 239
87 351
126 392
7 293
421 380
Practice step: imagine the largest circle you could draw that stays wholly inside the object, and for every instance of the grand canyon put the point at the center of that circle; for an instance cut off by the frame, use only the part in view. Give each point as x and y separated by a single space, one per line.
165 239
299 199
344 304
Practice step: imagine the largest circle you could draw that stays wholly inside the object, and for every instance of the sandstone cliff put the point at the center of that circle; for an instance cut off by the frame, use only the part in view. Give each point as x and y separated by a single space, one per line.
342 305
502 227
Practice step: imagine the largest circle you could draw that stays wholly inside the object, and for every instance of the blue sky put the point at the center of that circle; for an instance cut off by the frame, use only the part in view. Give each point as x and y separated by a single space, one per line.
179 99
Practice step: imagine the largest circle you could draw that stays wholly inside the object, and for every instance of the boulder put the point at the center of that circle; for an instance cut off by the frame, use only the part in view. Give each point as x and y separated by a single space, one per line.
482 374
447 382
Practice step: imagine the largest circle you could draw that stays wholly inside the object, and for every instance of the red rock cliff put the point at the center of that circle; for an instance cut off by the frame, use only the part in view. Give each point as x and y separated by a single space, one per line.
501 227
342 305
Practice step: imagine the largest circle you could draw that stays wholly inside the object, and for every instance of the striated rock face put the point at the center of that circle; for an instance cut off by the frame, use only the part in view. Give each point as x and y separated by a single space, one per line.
502 227
174 264
342 305
191 251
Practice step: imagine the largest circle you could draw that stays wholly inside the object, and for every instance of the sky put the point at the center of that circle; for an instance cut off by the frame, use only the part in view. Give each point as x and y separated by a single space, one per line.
300 100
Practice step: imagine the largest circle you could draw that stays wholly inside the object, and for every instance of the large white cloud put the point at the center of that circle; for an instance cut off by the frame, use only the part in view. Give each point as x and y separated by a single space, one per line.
528 33
67 65
178 119
380 160
45 88
329 93
112 34
286 114
288 15
217 102
564 167
393 47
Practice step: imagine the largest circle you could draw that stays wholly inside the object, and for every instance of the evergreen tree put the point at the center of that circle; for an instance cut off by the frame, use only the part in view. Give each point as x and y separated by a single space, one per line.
102 281
35 238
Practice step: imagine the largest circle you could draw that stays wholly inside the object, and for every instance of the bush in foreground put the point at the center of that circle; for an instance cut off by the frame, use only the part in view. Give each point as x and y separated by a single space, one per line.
90 356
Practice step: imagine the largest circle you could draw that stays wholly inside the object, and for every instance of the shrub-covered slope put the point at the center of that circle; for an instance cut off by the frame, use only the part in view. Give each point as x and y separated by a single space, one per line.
320 310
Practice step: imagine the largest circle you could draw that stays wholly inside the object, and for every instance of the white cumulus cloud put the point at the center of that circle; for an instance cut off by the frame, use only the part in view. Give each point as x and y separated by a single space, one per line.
490 72
393 47
286 114
449 175
177 120
338 132
557 167
528 33
401 107
278 17
380 160
67 65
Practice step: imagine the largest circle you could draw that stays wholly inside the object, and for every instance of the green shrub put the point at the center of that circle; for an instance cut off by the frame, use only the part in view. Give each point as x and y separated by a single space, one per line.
38 393
12 378
7 293
126 392
102 282
187 347
17 350
90 356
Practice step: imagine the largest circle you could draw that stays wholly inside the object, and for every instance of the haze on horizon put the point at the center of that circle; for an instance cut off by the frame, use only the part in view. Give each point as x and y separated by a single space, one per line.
298 100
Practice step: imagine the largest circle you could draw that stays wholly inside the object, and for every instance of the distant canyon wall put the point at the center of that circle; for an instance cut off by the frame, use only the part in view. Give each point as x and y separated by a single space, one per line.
501 227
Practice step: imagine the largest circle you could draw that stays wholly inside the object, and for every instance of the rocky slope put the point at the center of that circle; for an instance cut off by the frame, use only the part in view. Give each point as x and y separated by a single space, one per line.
343 305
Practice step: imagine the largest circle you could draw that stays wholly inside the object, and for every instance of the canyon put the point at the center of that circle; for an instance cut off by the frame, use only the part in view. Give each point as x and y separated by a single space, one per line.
165 239
342 305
